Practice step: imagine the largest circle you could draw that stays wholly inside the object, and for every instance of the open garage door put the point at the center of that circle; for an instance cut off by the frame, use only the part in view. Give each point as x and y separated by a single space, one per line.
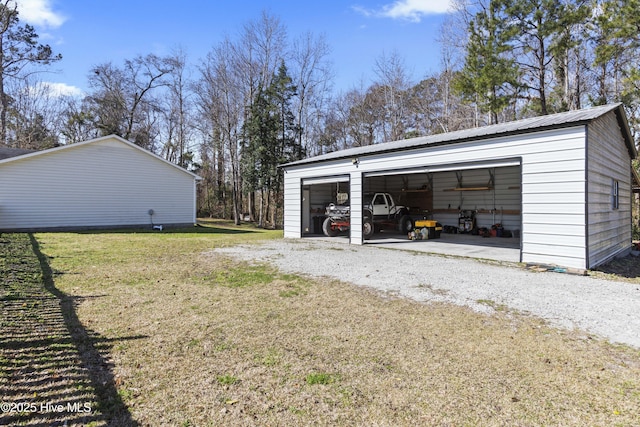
464 198
317 194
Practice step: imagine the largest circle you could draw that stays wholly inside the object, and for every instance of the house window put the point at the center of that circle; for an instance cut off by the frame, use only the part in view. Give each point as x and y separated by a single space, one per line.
615 196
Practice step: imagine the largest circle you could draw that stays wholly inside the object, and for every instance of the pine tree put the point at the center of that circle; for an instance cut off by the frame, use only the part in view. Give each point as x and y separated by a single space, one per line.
289 147
489 77
271 139
537 24
570 56
617 55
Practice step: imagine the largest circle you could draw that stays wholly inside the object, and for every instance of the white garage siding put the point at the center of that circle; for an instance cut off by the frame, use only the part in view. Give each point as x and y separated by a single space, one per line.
539 214
609 231
293 182
356 208
553 202
106 182
552 151
559 176
292 206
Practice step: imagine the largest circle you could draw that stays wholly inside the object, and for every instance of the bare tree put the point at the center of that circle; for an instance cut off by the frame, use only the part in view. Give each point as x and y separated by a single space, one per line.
35 116
313 76
334 132
365 116
220 105
393 85
177 132
19 50
79 121
123 98
429 106
257 55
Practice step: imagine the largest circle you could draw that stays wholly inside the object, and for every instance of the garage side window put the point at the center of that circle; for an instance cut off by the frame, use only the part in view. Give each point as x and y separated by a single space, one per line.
615 199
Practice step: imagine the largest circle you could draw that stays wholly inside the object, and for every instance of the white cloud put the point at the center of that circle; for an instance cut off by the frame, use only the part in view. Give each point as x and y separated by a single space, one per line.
362 11
61 89
39 12
411 10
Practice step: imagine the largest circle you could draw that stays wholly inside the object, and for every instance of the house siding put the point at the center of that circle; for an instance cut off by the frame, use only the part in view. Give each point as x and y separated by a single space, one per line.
609 160
105 183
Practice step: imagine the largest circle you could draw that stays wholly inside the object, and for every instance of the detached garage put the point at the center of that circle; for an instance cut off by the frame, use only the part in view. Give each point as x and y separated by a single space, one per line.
560 184
106 182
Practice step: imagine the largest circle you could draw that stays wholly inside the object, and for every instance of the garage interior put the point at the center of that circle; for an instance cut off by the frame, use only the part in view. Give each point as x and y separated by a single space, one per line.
479 208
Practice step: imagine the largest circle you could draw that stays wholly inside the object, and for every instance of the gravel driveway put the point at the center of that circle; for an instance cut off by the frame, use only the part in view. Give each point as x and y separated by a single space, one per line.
601 307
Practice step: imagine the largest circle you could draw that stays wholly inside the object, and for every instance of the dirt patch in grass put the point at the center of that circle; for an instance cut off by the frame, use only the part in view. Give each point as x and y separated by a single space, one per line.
227 343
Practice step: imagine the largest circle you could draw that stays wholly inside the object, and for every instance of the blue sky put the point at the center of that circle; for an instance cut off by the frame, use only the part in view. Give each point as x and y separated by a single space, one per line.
91 32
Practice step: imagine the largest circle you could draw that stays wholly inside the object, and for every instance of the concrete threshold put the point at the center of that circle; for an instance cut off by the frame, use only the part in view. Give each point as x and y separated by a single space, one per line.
466 245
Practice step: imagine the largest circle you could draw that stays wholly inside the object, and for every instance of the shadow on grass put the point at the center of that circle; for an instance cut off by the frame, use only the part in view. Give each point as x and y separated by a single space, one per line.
53 371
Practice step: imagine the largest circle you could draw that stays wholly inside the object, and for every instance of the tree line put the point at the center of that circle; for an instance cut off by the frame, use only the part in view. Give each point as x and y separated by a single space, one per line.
263 97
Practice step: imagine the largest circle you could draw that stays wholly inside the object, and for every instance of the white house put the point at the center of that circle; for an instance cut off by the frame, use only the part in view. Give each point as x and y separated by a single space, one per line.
561 182
106 182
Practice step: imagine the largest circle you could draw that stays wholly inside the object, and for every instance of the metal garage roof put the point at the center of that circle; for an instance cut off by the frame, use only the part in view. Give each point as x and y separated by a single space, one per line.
535 124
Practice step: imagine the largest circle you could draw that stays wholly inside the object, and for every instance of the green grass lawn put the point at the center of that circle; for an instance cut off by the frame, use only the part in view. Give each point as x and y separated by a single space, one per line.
149 328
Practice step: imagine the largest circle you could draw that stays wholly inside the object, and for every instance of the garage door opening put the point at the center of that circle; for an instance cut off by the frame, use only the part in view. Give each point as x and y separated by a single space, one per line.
477 209
317 195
